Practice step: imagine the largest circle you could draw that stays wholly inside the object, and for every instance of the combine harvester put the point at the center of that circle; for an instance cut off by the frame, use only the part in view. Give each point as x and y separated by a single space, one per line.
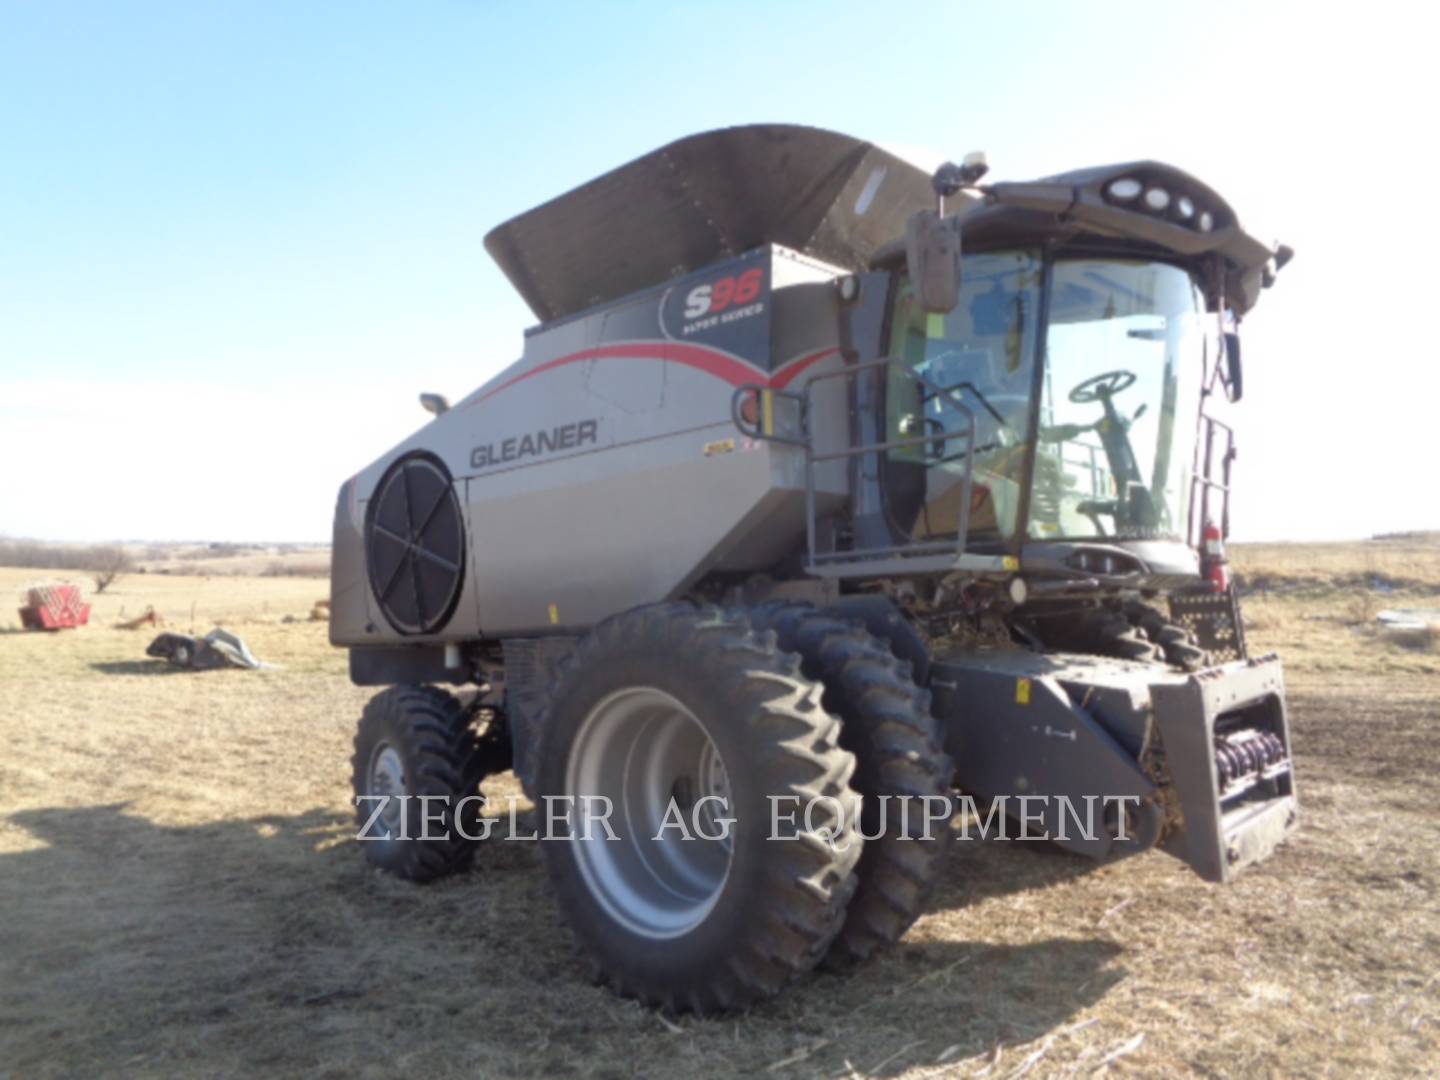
792 521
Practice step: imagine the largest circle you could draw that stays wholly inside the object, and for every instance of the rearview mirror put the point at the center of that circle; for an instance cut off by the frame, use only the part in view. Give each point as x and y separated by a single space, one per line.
1234 376
932 257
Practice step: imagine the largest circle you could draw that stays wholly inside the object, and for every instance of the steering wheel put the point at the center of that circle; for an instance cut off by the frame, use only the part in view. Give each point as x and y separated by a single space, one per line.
1099 387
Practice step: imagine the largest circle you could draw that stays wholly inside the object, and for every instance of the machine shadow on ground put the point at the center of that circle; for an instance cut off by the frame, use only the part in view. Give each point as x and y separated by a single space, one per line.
267 941
139 667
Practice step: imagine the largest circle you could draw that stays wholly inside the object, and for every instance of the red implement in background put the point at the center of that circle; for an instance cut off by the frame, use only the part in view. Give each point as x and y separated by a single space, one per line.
54 607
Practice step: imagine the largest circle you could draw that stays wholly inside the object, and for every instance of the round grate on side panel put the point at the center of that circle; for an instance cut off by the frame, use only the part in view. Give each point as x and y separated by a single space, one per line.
415 545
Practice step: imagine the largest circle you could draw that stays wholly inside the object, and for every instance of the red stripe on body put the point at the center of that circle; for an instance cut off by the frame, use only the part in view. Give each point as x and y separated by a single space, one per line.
721 365
786 375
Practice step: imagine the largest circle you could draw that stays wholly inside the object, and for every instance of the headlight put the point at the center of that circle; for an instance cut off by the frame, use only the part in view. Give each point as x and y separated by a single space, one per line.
1157 199
1184 207
1124 190
1206 221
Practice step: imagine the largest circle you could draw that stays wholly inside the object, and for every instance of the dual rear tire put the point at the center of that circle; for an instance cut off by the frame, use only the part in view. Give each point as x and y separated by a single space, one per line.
902 773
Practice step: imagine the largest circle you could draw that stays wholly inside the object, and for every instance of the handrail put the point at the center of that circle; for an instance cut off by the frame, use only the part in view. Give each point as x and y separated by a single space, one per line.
1203 482
764 428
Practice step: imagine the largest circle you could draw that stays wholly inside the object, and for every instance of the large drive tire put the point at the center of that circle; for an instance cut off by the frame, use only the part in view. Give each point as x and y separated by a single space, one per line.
665 706
886 723
418 741
883 619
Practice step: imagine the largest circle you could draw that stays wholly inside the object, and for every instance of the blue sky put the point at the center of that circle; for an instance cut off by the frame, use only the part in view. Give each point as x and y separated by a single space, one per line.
237 239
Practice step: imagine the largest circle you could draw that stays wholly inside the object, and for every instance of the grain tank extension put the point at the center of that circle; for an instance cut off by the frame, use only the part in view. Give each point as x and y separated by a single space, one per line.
827 479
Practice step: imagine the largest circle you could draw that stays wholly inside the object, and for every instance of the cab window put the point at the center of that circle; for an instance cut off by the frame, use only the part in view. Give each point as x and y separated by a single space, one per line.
982 356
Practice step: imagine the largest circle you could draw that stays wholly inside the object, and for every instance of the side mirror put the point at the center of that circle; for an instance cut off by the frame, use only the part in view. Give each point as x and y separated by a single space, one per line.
1234 375
932 256
435 403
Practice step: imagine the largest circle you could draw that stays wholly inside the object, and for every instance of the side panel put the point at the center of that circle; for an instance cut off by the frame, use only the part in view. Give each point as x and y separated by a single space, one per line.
349 589
807 324
562 545
604 471
1014 731
1053 725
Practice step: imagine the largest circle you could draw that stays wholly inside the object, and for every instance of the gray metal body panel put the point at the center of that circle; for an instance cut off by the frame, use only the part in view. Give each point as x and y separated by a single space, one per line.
349 589
603 470
1223 836
1063 726
1014 730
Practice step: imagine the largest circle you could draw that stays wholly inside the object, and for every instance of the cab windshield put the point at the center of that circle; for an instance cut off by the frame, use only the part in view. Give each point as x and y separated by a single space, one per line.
1112 438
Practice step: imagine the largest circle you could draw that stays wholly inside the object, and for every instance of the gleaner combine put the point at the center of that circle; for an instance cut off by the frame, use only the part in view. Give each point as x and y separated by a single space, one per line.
794 517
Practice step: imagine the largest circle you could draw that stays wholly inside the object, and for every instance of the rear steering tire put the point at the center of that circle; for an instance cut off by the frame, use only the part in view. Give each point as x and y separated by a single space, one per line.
683 715
418 741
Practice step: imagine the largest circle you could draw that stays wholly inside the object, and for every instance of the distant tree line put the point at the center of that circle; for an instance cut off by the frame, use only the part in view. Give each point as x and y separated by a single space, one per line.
1425 535
310 568
102 562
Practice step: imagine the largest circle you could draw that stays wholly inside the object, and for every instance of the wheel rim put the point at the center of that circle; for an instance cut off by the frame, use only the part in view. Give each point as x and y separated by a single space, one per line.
645 752
387 777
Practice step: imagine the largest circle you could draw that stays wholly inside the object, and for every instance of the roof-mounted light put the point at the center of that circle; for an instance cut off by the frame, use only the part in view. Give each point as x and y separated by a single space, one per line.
1149 193
1125 189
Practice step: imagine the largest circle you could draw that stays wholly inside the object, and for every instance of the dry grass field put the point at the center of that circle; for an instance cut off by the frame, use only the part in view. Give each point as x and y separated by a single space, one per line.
178 894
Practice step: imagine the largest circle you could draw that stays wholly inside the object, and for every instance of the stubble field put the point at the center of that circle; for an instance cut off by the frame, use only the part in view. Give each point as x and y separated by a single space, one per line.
179 894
